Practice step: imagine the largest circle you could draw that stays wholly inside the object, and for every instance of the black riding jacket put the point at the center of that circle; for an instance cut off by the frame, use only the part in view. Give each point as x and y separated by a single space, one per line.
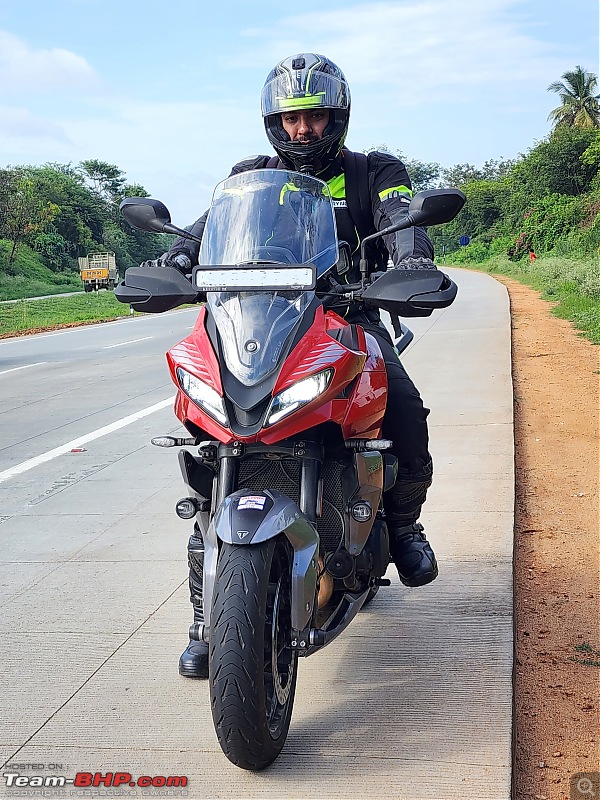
390 191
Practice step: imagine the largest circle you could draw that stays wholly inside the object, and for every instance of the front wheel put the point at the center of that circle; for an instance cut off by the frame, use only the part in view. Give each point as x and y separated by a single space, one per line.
252 668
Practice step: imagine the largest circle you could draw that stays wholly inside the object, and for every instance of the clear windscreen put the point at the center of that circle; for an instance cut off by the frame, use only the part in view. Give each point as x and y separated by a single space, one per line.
270 215
265 219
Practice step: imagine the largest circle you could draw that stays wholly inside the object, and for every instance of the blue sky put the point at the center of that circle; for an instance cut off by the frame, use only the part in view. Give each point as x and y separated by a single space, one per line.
170 91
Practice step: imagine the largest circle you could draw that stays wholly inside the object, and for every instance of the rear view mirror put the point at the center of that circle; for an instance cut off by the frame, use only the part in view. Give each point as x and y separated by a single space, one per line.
435 206
145 213
151 215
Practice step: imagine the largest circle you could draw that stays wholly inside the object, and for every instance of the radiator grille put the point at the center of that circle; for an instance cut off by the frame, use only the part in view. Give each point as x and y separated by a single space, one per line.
283 475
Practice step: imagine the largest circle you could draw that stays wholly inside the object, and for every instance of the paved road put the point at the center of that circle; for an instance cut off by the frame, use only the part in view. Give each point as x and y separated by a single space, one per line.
413 701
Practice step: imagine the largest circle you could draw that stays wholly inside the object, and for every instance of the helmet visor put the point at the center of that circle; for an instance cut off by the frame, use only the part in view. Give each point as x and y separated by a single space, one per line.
315 90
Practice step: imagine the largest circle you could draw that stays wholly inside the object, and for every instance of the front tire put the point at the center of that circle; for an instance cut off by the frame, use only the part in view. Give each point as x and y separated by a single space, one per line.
252 668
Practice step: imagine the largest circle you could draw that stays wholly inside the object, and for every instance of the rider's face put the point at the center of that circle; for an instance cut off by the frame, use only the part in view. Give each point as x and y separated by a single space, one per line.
305 126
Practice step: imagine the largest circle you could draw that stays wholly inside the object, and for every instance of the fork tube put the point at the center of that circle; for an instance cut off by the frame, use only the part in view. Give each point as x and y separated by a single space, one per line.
228 471
309 484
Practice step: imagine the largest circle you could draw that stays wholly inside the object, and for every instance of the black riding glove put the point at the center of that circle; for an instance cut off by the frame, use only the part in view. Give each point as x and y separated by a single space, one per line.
180 261
415 262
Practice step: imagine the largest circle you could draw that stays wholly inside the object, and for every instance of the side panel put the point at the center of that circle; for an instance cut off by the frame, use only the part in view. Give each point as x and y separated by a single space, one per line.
363 482
245 518
369 393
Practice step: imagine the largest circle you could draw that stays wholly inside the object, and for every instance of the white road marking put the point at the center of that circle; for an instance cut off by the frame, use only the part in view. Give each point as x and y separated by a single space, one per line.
88 437
25 366
131 341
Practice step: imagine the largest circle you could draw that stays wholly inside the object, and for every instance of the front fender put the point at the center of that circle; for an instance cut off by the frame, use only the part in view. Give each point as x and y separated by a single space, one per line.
247 518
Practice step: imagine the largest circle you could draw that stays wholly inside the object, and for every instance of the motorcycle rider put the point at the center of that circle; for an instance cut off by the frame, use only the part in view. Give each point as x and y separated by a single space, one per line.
306 110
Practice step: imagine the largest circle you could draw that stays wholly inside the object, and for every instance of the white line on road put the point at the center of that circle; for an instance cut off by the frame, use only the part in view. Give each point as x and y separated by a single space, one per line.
131 341
25 366
88 437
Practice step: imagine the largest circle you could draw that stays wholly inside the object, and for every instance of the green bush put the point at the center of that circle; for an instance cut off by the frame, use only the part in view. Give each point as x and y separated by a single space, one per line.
473 253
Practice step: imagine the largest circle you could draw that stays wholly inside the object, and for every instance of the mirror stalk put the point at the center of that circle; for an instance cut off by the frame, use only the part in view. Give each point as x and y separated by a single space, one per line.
168 227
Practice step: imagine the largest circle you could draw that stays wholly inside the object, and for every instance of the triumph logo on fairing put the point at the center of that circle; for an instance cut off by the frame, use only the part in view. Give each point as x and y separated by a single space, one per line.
242 534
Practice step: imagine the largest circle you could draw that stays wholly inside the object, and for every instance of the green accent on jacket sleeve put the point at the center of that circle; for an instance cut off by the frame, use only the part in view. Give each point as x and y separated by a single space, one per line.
399 189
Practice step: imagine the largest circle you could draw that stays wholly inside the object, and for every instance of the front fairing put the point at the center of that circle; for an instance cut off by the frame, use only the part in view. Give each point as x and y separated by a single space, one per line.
265 219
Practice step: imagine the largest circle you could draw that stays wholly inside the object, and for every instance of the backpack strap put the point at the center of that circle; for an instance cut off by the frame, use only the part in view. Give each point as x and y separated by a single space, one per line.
272 163
358 200
358 196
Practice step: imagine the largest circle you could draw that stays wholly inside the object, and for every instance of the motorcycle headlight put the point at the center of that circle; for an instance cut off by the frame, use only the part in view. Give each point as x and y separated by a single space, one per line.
203 395
298 395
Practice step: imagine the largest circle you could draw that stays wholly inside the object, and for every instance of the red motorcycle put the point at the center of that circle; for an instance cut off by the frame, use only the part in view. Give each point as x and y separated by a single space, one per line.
284 402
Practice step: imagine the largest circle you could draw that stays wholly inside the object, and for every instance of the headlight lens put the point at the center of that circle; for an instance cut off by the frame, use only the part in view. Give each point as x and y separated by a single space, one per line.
298 395
203 395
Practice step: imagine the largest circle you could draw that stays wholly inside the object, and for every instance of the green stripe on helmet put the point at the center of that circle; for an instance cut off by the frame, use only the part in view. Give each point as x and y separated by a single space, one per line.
293 103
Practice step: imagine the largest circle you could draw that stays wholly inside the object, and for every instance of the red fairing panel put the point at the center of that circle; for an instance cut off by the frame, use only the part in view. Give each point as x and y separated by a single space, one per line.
366 405
315 352
369 394
196 355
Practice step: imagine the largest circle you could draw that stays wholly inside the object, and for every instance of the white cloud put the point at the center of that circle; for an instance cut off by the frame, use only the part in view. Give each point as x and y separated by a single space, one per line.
443 81
24 68
449 82
418 52
28 137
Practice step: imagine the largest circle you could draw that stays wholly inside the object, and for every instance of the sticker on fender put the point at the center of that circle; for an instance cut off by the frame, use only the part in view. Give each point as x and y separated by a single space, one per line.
256 502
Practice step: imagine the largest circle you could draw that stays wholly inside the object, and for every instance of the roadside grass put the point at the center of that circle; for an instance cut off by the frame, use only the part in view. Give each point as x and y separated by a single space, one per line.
573 284
25 315
16 287
30 278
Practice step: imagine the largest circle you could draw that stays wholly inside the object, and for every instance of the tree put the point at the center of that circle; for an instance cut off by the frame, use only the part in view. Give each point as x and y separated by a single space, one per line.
422 174
106 179
579 104
492 170
555 166
83 212
24 213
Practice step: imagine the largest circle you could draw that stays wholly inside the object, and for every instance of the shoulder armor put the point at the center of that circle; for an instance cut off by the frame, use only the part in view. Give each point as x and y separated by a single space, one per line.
251 162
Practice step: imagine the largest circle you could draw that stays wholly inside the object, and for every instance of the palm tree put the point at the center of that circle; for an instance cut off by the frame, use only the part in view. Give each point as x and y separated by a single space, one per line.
580 107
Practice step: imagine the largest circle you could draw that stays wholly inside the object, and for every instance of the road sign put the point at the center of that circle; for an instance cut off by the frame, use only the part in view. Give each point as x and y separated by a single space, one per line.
464 240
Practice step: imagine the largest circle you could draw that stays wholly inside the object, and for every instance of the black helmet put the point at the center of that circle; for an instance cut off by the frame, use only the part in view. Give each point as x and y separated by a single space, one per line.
300 83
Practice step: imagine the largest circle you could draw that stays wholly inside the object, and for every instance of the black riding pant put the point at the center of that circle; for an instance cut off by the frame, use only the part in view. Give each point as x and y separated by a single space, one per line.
405 420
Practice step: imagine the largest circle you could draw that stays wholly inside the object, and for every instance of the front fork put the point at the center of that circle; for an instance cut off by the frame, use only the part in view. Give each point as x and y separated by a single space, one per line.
236 520
278 514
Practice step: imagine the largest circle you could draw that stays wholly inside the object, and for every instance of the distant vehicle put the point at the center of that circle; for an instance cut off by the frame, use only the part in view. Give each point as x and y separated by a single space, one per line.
98 271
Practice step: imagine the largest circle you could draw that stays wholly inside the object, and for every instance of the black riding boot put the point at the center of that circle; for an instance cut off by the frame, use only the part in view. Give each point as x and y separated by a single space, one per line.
193 662
410 550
